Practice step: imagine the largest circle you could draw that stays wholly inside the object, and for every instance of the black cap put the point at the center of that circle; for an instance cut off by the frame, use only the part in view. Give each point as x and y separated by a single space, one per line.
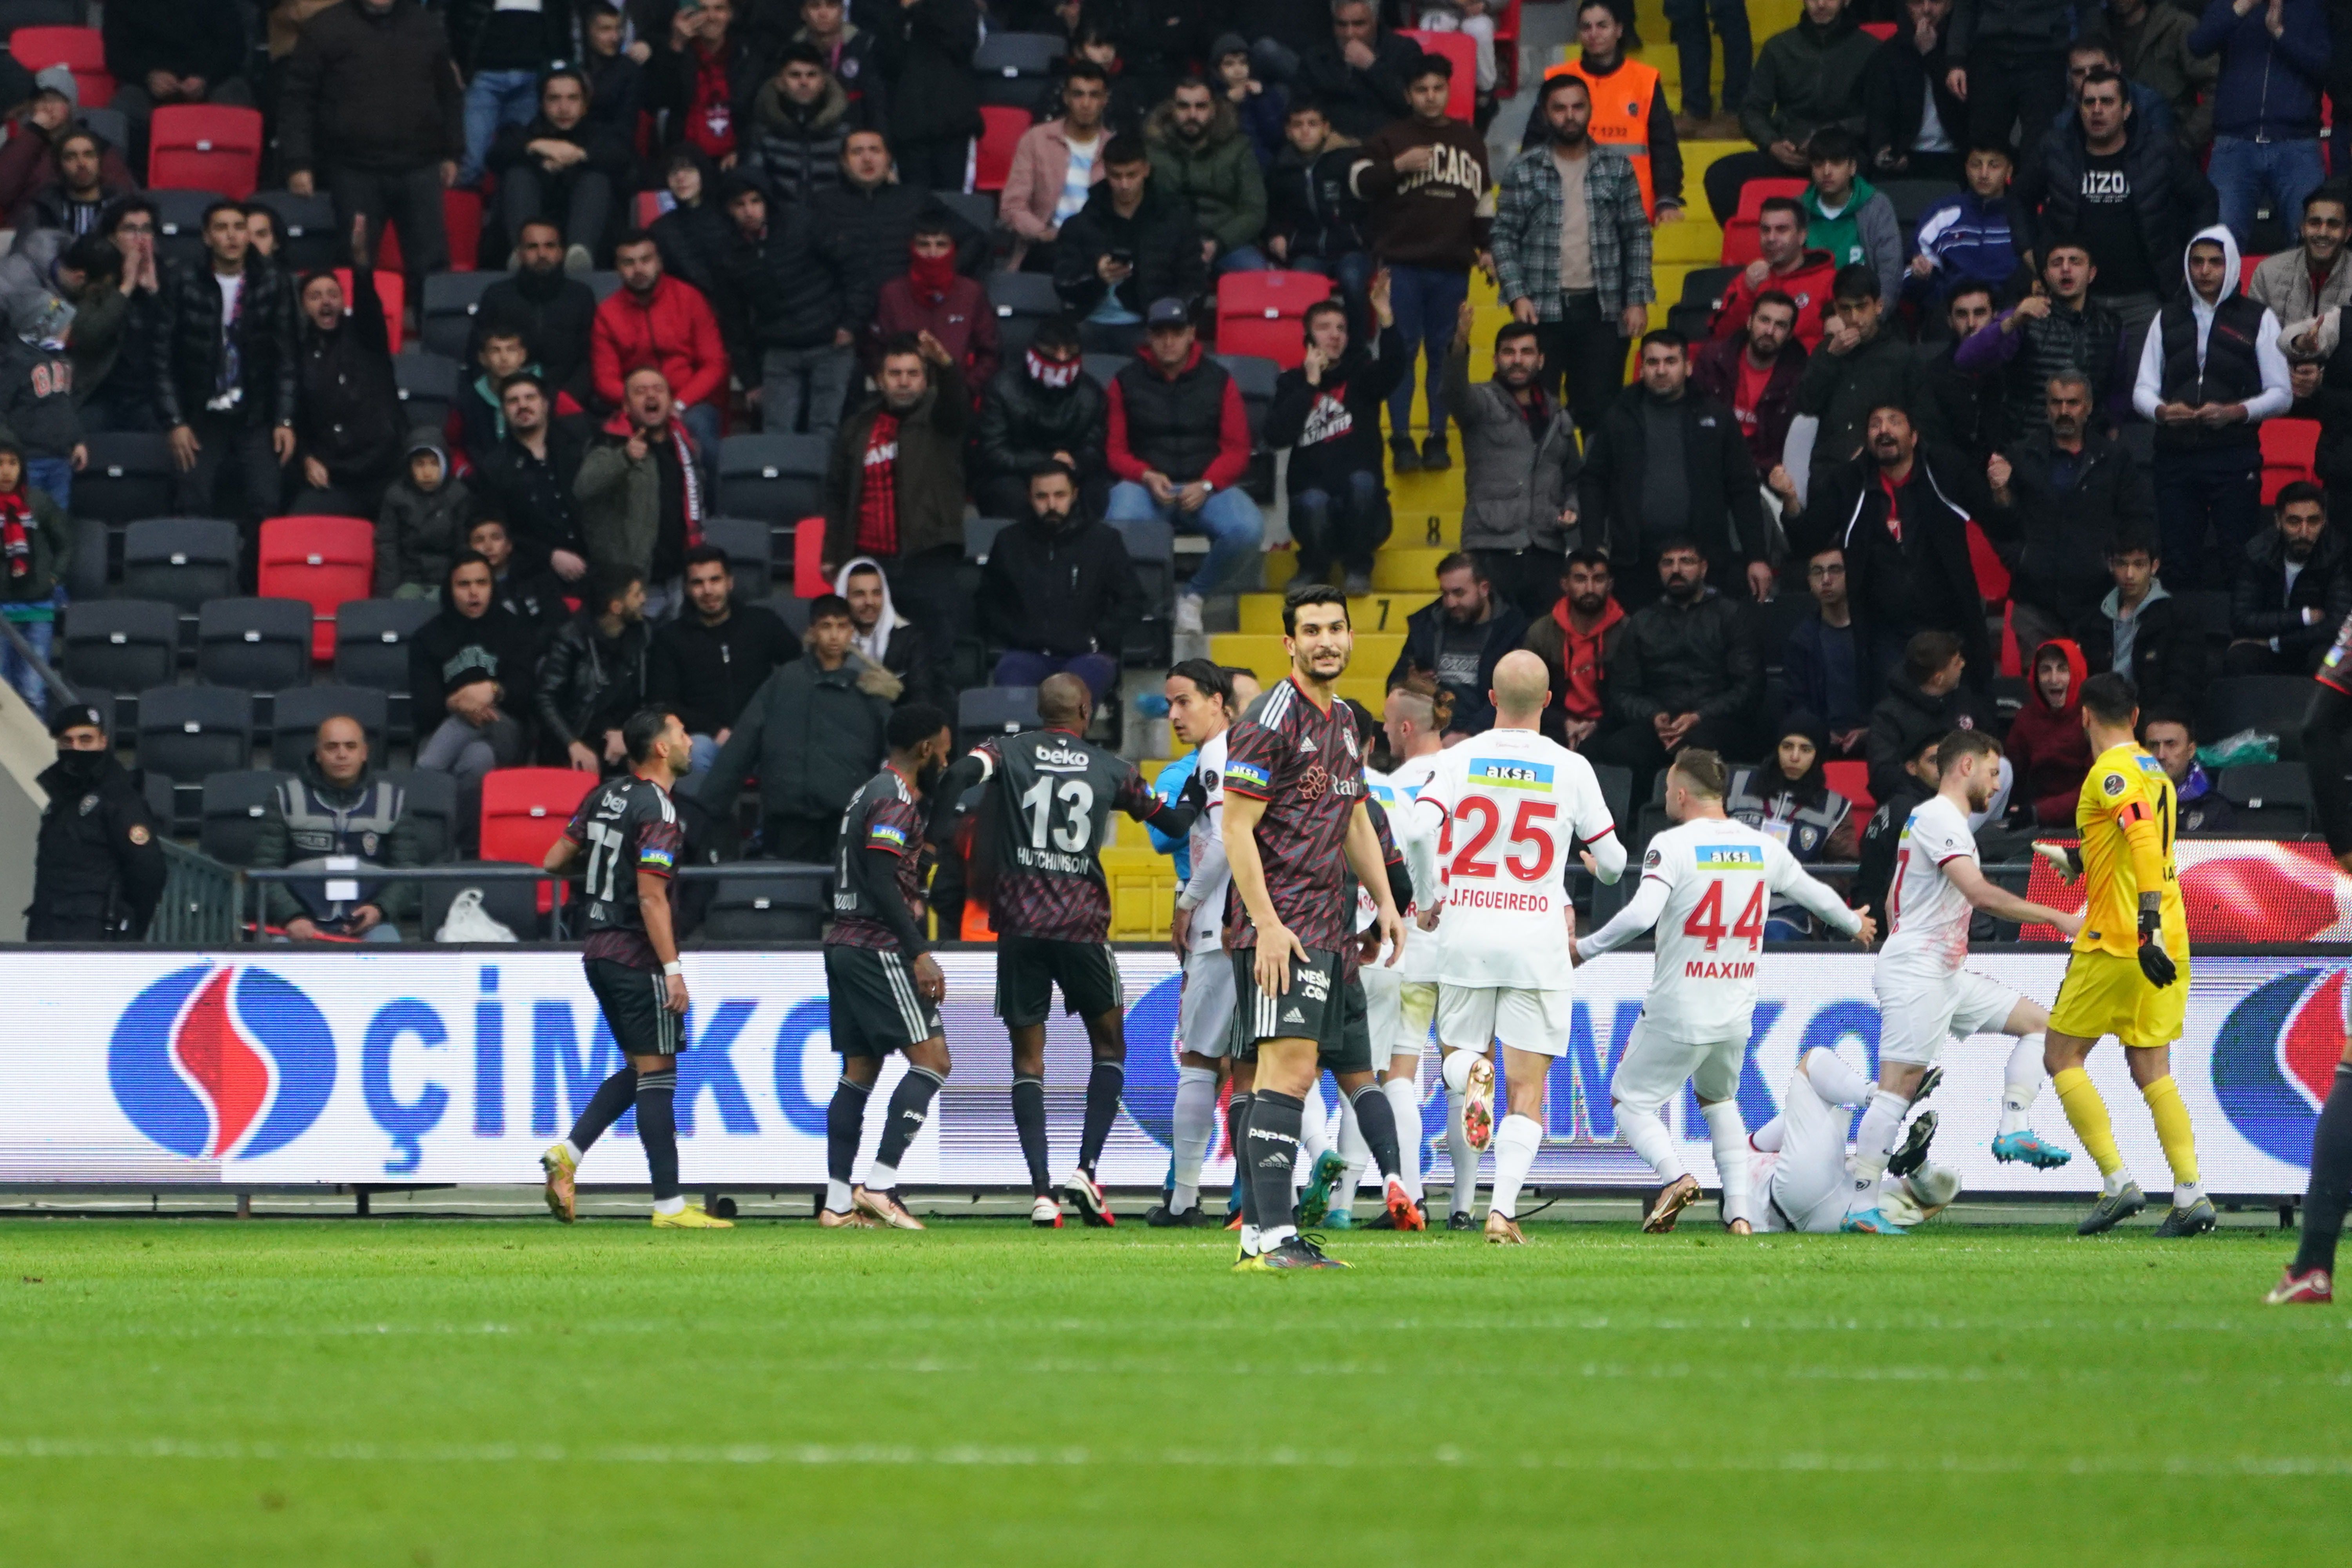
1167 312
73 716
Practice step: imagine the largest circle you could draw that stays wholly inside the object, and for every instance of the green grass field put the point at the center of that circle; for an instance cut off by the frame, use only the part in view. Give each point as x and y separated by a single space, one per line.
497 1392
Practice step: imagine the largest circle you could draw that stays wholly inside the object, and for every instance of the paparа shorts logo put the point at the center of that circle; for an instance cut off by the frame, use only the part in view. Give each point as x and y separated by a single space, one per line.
225 1063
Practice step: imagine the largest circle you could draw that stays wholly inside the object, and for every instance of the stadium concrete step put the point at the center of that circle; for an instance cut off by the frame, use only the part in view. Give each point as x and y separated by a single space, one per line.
1376 652
1370 613
1394 571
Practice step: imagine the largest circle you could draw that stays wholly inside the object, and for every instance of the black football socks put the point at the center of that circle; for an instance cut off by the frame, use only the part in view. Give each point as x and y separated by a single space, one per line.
844 1123
607 1105
1237 1116
1270 1154
1104 1086
1377 1120
910 1107
1029 1122
657 1129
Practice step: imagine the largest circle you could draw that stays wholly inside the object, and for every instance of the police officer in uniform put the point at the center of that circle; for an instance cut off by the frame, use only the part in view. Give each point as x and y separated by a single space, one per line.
97 872
338 814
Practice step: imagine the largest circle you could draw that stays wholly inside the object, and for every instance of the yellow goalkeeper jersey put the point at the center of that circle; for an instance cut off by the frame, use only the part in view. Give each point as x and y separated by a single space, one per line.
2126 793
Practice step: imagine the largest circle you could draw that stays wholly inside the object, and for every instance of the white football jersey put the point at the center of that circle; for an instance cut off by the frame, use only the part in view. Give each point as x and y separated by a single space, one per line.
1930 915
1707 886
1208 829
1417 842
1510 802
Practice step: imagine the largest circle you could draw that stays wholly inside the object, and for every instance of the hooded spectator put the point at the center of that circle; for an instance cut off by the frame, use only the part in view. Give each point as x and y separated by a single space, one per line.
1789 796
422 528
694 235
879 634
2046 746
472 677
932 297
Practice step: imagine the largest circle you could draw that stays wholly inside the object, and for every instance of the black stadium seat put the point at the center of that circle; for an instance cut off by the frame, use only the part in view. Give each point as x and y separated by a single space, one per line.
452 300
253 645
429 383
298 711
183 561
433 803
310 237
776 478
1017 68
2271 797
1021 299
980 537
751 553
233 804
766 908
130 476
2275 704
996 711
123 644
187 733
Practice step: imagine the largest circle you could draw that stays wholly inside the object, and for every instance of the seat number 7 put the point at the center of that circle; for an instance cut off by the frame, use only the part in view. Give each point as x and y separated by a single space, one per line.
1706 919
1528 833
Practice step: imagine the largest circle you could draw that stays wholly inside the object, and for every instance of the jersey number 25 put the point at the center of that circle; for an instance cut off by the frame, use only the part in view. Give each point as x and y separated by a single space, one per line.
1526 832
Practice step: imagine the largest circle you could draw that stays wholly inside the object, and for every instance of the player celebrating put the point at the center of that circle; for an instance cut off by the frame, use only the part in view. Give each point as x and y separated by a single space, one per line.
1199 710
1053 793
2328 752
1926 996
633 838
2128 974
883 988
1295 828
1511 802
1706 883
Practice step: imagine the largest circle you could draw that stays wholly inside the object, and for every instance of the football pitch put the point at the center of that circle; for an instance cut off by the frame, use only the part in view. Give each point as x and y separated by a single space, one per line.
431 1392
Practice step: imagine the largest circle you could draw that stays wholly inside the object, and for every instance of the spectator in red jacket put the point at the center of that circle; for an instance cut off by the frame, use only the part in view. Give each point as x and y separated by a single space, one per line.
1753 373
652 320
932 296
1180 442
2046 746
1804 276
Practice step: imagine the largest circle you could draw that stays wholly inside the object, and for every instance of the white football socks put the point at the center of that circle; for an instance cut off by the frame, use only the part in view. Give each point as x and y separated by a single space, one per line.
1314 1137
2021 1083
1646 1131
1768 1139
670 1206
881 1178
836 1196
577 1152
1405 1098
1355 1152
1196 1123
1834 1081
1874 1140
1457 1138
1516 1141
1728 1133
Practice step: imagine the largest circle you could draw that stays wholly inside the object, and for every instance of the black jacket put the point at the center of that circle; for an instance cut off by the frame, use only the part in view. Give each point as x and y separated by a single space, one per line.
1359 102
814 736
2173 198
1022 423
450 651
371 90
588 685
2168 660
1907 716
1326 447
187 344
1060 591
607 155
534 596
1840 390
790 285
694 243
2060 566
869 231
534 500
1312 203
1162 241
348 416
2262 607
1848 508
924 50
799 148
1424 642
1895 88
98 868
188 37
1715 466
557 314
1697 657
711 673
1966 406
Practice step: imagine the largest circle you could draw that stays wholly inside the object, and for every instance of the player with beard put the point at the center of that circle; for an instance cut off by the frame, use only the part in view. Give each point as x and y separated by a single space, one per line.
1052 792
883 988
1925 997
633 838
1296 828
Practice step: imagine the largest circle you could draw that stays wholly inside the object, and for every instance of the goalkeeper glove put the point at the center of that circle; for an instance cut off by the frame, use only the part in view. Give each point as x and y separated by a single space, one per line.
2154 961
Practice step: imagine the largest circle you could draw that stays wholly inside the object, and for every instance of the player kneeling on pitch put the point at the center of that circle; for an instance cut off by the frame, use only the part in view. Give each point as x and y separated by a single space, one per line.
1926 996
883 988
1706 884
632 834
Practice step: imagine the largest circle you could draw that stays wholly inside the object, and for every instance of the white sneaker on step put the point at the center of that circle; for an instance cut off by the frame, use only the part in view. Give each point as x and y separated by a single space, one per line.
1188 614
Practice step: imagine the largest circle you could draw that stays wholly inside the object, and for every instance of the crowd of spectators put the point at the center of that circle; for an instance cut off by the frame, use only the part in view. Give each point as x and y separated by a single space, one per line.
2030 393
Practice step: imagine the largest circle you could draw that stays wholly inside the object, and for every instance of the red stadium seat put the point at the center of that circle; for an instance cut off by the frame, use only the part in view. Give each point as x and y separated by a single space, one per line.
1462 95
1882 31
391 290
808 557
2246 265
1850 779
461 220
2012 664
1507 51
206 147
81 50
326 561
1992 577
1259 313
1001 127
2289 448
646 207
1739 246
525 811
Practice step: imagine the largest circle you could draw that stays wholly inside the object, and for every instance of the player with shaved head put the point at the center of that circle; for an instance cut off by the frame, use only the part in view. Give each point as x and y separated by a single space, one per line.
1512 806
1038 866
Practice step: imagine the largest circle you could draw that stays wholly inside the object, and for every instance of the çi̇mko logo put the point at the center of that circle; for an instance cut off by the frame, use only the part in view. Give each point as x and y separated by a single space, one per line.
222 1064
2274 1057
